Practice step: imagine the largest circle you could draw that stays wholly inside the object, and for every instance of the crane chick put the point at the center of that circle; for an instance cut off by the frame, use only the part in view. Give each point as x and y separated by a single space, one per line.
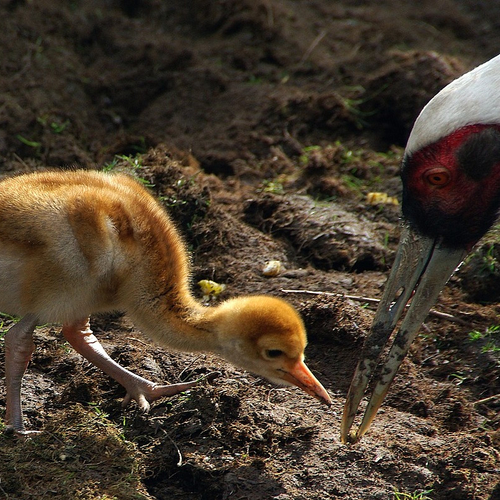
81 242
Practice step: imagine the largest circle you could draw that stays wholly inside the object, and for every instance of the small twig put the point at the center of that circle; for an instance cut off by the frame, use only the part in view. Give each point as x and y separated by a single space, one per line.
333 294
371 300
4 492
179 463
20 160
276 389
208 377
270 15
448 317
313 45
487 400
188 366
138 341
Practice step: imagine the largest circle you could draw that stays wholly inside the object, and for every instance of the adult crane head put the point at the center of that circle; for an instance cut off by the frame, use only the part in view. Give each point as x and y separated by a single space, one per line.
451 197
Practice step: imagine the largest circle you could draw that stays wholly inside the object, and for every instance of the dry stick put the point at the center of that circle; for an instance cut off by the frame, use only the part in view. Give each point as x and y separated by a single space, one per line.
20 160
487 400
179 463
138 341
313 45
4 492
371 300
193 361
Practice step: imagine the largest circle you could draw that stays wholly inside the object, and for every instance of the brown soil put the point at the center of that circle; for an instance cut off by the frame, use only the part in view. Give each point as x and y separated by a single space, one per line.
262 125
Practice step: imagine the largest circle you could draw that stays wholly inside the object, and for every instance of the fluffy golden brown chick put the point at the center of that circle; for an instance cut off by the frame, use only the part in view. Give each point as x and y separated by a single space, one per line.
80 242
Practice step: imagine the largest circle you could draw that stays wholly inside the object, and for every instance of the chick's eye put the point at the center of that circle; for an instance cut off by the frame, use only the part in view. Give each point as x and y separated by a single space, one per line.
273 353
438 176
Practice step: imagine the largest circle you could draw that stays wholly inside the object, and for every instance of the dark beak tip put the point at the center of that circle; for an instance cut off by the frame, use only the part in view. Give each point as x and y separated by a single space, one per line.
350 438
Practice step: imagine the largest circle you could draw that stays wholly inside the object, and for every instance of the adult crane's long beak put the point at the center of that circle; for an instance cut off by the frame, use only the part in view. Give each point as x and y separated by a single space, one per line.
422 267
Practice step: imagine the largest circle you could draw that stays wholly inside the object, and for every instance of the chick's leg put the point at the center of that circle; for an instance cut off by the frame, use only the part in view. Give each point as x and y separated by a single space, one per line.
19 347
80 336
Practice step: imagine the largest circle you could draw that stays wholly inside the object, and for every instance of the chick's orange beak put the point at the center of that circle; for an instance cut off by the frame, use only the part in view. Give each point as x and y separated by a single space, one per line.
298 374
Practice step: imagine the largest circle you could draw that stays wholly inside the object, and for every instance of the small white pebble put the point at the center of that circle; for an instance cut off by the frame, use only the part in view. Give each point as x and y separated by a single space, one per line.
272 268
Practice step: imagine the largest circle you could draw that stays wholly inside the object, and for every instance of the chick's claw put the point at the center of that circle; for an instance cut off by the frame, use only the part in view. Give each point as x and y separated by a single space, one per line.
145 392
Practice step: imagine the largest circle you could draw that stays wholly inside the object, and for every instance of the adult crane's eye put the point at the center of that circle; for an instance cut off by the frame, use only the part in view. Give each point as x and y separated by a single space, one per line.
438 176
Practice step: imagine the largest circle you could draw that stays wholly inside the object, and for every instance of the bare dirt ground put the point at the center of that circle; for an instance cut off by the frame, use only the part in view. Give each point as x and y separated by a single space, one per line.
262 125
